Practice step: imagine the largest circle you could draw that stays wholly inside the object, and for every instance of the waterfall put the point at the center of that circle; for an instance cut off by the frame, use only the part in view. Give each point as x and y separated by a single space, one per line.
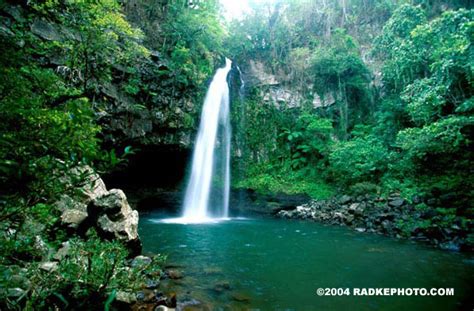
215 123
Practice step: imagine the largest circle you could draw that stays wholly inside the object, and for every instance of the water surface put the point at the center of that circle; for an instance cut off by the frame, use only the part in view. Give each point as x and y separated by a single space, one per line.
271 264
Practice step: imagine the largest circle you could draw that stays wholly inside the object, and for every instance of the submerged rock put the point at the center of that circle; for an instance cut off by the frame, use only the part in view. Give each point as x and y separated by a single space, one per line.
175 274
222 286
241 297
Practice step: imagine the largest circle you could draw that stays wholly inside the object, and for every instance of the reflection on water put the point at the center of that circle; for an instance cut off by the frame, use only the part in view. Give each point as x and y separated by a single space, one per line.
278 265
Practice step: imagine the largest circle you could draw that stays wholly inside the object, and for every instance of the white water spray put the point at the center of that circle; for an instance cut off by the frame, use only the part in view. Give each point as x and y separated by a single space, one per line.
215 122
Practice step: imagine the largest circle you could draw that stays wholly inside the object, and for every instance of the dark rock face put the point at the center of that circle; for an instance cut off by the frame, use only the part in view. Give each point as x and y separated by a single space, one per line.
162 117
248 201
152 167
46 30
393 216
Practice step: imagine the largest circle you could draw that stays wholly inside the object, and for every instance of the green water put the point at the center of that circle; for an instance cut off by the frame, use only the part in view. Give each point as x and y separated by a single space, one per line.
270 264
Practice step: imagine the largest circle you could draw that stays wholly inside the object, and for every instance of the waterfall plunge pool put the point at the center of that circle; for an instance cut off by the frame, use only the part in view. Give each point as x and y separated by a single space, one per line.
272 264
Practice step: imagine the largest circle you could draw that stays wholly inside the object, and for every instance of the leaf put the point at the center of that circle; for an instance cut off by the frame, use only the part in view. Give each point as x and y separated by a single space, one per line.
61 297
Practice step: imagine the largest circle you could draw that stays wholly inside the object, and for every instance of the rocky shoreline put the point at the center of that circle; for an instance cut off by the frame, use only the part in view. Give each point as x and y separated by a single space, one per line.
392 216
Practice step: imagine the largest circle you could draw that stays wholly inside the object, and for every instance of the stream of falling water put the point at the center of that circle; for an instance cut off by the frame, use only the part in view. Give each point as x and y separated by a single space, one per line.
212 146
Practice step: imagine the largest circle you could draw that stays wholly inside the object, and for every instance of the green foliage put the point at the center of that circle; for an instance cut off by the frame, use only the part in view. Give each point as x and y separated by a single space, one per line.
339 70
401 63
307 141
47 128
90 274
276 179
189 37
358 160
98 38
442 137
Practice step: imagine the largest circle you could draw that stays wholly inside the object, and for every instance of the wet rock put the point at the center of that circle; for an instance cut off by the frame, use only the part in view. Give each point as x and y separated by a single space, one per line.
126 297
450 246
396 202
160 299
345 199
387 226
152 284
41 247
49 266
349 219
45 30
190 304
141 262
383 216
63 251
141 296
171 301
386 216
353 207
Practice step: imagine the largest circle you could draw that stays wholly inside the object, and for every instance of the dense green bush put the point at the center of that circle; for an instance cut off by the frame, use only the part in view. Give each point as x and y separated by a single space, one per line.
358 160
90 276
47 127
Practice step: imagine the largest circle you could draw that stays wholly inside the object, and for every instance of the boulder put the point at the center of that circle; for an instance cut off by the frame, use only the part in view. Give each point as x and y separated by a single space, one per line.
152 284
117 219
49 266
73 217
91 205
45 30
345 199
126 297
396 202
63 251
353 207
141 262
